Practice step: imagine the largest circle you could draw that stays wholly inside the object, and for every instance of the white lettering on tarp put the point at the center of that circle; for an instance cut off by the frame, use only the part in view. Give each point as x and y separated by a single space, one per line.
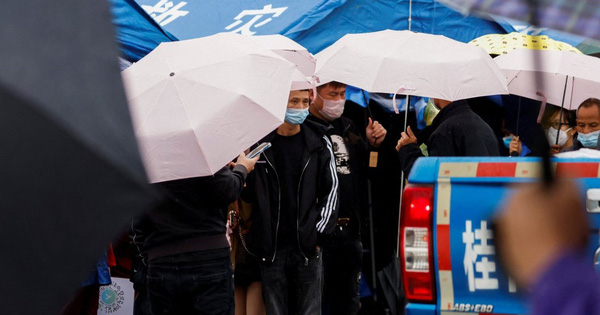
165 12
246 29
474 261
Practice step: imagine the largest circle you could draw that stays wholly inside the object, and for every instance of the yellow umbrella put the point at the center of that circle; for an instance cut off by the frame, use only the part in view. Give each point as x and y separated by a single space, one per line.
501 44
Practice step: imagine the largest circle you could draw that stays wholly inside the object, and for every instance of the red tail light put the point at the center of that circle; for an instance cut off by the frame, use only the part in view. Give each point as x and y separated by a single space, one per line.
416 246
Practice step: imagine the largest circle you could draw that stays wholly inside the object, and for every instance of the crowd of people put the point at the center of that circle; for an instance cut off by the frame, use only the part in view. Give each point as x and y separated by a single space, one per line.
290 219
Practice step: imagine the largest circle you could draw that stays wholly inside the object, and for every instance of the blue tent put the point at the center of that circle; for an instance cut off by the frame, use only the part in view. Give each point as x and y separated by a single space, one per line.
137 33
315 24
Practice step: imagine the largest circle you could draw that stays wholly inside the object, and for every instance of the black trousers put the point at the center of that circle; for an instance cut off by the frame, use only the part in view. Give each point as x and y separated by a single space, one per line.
342 262
204 287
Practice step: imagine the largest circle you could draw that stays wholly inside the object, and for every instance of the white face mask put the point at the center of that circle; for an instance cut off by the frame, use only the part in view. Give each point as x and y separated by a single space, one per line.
562 137
332 110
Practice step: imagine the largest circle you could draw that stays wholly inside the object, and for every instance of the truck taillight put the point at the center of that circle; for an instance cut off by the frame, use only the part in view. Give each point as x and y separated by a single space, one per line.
416 246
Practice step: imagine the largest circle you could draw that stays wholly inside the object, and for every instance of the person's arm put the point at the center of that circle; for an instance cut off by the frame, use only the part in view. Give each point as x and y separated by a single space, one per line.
375 133
328 191
515 146
408 150
226 185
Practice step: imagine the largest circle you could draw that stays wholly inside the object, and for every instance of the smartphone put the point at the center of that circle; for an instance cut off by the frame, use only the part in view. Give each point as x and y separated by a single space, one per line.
258 150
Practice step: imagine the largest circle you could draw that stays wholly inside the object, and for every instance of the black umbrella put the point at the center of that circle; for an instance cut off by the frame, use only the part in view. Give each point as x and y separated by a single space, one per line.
71 176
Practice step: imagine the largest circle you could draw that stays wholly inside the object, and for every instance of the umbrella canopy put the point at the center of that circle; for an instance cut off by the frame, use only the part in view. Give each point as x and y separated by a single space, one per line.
575 16
290 50
294 53
410 63
565 75
502 44
196 104
72 177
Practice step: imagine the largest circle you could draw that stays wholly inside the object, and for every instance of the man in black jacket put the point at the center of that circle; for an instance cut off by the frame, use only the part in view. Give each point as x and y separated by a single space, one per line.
188 257
342 250
455 131
294 198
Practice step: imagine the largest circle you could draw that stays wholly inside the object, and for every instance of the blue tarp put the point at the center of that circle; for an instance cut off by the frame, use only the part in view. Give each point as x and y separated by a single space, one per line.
359 16
137 33
195 18
315 24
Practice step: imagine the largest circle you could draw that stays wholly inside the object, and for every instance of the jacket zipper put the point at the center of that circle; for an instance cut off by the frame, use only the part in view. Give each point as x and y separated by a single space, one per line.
278 207
298 214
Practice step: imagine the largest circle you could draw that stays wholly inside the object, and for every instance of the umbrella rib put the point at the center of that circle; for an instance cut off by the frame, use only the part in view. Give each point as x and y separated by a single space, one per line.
155 102
513 78
193 128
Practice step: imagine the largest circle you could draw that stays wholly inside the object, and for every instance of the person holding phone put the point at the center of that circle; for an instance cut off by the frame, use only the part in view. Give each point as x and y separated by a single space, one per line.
185 244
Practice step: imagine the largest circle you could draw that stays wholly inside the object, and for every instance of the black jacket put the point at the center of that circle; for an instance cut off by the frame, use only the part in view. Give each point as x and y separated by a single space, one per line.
358 149
455 131
317 196
195 210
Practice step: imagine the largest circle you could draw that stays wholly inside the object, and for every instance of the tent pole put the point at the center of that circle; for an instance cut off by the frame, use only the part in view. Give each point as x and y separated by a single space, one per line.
409 14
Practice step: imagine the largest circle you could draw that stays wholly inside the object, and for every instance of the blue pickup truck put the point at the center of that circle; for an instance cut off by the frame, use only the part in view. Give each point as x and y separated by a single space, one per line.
448 257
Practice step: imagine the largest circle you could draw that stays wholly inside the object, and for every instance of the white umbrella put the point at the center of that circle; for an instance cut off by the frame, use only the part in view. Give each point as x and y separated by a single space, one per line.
293 52
196 104
564 75
410 63
290 50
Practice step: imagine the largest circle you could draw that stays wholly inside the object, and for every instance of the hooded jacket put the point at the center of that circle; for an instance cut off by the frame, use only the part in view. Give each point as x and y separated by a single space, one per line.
317 196
455 131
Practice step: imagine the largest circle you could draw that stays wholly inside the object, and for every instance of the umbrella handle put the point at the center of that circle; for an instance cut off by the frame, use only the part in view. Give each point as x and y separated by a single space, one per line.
542 107
403 88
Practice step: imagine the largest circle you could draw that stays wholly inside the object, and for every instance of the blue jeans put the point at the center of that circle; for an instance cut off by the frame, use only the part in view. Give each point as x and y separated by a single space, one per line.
292 285
204 287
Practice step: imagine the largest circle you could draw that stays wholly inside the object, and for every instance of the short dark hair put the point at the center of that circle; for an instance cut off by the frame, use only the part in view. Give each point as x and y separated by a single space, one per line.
332 84
589 103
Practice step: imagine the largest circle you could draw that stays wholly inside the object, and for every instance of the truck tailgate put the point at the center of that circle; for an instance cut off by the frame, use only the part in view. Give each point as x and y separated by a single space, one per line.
468 192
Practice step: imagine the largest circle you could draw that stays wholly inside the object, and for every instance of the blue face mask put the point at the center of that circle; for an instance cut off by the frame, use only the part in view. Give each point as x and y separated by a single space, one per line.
589 140
296 116
507 141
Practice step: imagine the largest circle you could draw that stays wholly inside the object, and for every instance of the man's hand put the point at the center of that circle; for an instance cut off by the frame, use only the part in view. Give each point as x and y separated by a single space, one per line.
515 145
408 137
375 133
554 149
246 162
537 225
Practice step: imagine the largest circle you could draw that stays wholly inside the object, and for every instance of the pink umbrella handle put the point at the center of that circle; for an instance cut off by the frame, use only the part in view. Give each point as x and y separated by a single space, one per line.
542 107
313 84
400 89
